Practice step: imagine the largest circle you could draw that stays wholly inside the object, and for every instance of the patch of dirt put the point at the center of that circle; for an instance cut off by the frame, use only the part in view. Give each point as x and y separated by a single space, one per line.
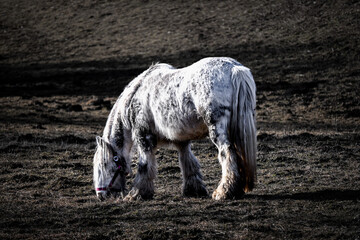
64 63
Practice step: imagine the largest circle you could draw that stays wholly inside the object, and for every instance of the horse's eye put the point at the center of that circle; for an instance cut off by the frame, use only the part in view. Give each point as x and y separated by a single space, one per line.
116 158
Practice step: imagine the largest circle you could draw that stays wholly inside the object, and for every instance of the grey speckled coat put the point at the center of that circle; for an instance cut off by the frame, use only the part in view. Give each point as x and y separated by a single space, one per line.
213 97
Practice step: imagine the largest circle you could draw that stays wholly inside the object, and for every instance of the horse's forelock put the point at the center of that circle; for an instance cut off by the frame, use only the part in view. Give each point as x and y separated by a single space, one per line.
103 158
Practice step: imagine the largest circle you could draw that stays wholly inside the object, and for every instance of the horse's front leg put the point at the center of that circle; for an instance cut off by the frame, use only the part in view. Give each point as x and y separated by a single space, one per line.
143 187
193 185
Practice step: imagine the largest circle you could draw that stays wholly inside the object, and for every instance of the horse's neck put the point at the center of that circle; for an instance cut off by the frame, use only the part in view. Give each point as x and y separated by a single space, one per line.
115 132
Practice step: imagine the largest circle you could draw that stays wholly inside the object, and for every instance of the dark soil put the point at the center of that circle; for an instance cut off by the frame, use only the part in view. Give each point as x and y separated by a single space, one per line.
63 64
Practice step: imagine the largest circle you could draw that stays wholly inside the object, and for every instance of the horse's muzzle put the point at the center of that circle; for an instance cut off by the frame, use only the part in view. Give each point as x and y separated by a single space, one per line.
102 195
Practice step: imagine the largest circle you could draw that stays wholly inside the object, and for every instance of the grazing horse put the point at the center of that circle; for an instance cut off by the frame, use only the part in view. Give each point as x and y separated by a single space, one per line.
213 97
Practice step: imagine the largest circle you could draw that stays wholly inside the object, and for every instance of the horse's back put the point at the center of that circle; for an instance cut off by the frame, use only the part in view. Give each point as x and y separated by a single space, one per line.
211 81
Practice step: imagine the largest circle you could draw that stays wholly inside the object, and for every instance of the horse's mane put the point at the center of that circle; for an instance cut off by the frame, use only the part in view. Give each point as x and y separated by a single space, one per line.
127 95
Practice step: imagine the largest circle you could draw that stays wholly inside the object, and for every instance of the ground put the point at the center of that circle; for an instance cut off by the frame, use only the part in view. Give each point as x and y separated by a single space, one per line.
64 63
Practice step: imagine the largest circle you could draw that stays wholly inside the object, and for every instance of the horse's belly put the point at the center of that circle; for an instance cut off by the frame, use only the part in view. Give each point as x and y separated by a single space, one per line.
182 129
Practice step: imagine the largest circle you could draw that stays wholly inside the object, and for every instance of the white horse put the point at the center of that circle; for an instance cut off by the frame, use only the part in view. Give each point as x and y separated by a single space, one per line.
213 97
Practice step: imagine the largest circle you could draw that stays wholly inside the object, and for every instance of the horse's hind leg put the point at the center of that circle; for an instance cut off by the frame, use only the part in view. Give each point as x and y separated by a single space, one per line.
193 185
230 186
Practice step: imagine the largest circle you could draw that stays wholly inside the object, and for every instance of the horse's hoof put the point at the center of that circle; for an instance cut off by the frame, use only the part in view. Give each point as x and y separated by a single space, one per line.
195 191
132 195
128 198
222 193
219 194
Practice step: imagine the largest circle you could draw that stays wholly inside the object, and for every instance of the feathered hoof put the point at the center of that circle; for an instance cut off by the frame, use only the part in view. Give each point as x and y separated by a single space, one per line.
132 195
222 193
219 194
136 195
195 191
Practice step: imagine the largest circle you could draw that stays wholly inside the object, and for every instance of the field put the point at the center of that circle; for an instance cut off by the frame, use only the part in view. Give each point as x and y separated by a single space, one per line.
64 63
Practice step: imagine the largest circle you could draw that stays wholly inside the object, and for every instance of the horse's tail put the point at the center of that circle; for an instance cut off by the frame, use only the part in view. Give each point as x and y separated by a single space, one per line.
243 124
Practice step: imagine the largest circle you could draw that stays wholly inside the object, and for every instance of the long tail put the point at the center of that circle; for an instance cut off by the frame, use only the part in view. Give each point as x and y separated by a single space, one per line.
243 124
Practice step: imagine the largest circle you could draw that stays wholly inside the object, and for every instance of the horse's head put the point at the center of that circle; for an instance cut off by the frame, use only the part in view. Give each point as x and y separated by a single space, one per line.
109 170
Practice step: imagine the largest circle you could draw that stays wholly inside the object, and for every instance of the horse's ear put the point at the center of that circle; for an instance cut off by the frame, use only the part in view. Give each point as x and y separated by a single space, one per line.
98 140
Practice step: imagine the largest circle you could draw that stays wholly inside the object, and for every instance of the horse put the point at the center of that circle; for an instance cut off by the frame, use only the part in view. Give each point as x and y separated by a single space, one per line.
214 97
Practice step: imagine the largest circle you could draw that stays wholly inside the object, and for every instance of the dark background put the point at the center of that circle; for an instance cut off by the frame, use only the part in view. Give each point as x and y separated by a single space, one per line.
63 64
